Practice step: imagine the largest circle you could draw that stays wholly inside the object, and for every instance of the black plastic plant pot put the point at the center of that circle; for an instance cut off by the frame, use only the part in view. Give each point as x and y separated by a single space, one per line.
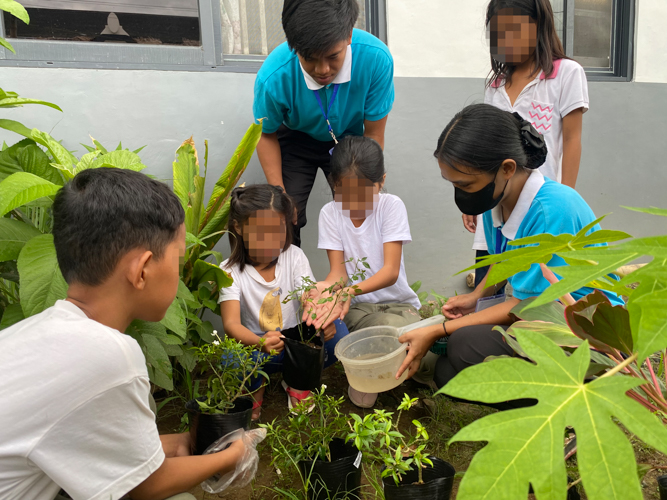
438 483
662 486
207 429
302 365
338 479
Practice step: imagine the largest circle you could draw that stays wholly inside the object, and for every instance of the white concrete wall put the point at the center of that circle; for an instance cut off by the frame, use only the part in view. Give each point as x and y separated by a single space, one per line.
438 38
447 38
651 41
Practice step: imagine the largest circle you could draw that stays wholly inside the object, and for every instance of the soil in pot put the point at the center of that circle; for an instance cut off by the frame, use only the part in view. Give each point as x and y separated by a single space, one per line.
302 366
338 479
438 482
207 429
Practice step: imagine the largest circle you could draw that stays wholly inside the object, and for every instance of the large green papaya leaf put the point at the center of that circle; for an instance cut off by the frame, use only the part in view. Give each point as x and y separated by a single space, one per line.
14 235
525 446
595 319
21 188
42 283
552 311
227 181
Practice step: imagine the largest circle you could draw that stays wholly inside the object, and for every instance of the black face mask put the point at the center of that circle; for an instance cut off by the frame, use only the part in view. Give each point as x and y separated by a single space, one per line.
480 201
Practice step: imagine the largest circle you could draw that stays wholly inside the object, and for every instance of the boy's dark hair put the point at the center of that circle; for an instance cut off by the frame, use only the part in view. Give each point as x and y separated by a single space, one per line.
103 213
244 202
482 137
361 156
314 26
548 48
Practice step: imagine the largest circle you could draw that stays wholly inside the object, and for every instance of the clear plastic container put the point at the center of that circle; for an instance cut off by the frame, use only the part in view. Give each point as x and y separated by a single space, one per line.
372 356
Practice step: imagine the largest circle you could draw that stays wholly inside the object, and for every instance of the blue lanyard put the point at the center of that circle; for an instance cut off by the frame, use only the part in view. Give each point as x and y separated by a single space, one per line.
500 248
326 114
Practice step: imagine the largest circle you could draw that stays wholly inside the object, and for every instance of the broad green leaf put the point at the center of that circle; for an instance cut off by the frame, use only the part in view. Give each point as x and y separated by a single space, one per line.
35 161
205 331
191 240
21 188
213 231
595 319
158 359
216 255
215 216
184 292
525 446
42 283
13 236
551 311
205 271
20 101
4 43
12 315
126 160
648 315
185 169
60 155
15 9
651 210
174 319
87 160
9 158
416 286
16 127
188 359
558 334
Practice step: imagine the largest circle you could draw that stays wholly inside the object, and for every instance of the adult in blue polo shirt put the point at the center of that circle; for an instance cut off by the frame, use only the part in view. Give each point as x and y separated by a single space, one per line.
327 81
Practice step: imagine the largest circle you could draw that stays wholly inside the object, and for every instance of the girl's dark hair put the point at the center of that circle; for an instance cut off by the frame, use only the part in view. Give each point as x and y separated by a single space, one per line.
482 137
244 202
361 156
548 48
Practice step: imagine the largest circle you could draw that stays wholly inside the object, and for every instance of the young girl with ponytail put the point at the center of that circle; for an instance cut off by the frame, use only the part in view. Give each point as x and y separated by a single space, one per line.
492 158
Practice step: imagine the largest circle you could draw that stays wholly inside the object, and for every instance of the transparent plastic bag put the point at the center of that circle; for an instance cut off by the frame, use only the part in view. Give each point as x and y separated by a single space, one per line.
246 467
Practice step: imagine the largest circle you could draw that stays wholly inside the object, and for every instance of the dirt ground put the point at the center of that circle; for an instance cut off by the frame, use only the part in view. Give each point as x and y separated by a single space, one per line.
442 423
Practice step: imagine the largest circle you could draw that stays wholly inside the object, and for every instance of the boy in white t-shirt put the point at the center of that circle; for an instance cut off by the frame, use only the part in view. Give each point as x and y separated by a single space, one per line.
75 390
362 222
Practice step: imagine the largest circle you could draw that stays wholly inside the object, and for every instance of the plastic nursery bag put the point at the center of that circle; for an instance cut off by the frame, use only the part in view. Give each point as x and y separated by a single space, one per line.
246 467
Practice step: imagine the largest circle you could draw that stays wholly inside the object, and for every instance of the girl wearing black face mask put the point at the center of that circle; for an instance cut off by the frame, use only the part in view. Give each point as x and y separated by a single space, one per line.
491 157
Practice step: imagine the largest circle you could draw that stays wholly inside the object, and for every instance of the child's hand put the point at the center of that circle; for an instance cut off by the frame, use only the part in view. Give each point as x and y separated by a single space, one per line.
470 222
459 306
329 332
327 313
273 341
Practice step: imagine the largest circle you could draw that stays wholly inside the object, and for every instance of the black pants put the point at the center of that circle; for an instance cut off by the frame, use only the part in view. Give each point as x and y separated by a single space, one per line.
302 156
469 346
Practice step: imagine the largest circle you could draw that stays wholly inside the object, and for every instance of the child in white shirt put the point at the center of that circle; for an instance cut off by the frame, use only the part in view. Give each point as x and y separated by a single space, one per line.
362 222
266 267
532 76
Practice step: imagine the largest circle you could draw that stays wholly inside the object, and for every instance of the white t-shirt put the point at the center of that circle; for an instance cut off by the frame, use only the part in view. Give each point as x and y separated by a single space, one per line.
74 412
387 223
544 102
262 309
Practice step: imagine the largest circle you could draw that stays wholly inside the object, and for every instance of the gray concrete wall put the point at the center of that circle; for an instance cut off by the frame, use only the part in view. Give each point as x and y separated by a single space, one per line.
623 162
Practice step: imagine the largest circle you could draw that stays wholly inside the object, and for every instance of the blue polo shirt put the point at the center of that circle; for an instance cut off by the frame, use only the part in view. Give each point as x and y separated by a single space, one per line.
544 206
282 96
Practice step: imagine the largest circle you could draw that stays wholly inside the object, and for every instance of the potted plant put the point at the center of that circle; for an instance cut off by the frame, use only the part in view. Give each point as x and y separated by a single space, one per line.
304 358
227 405
408 471
313 443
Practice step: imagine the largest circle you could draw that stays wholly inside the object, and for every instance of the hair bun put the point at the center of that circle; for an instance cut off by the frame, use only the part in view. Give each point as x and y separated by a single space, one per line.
533 143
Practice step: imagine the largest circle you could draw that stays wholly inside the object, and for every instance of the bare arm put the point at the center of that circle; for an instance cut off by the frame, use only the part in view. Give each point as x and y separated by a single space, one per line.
388 275
337 269
230 310
268 152
180 474
375 130
572 125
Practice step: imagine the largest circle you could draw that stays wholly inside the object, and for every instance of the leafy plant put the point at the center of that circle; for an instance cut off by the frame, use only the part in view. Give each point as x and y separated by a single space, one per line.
590 390
331 296
17 10
430 307
228 380
380 439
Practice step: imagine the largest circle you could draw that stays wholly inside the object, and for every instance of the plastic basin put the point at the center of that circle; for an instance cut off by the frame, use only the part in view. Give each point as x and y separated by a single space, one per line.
372 356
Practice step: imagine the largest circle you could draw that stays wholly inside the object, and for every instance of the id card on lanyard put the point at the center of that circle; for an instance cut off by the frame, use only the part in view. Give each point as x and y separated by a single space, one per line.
326 112
486 302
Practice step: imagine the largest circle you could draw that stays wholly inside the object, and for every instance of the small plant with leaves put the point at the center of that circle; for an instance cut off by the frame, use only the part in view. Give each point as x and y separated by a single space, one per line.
230 366
430 306
321 302
378 436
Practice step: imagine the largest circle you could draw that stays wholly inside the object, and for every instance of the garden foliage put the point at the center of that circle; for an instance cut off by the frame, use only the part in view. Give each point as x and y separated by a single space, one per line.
593 368
17 10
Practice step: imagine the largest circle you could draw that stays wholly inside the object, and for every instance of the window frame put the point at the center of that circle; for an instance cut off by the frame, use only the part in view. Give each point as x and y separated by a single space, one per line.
206 57
622 43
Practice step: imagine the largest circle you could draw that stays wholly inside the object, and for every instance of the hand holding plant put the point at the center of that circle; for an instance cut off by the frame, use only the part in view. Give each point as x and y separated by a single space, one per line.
272 342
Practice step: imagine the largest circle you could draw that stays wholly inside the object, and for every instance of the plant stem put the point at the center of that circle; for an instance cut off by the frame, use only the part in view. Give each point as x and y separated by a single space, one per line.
620 367
655 380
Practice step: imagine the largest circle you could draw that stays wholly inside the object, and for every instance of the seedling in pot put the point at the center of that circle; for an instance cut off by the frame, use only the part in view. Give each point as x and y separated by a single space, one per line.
377 435
322 302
